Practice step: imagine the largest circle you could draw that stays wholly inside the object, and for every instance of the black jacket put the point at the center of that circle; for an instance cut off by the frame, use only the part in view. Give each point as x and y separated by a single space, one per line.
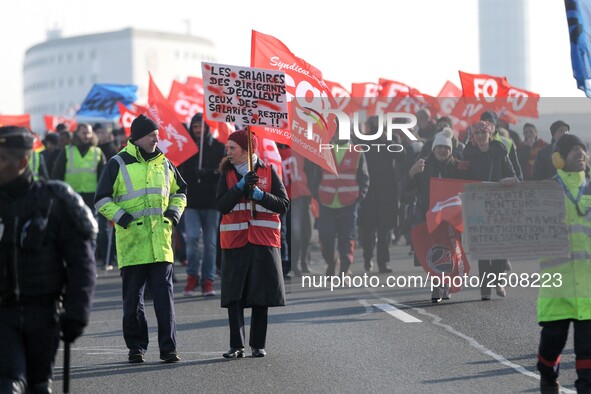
202 184
492 165
46 246
543 167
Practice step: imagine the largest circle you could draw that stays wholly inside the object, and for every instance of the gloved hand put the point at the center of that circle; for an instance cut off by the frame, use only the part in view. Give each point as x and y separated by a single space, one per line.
71 329
257 194
240 184
251 178
124 220
170 215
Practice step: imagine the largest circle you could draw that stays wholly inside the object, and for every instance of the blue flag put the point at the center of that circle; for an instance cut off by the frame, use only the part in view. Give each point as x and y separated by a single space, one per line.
578 15
101 101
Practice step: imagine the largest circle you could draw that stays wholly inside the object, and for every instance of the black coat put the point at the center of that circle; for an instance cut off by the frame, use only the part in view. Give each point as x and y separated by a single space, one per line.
492 165
543 167
252 274
202 183
379 208
45 246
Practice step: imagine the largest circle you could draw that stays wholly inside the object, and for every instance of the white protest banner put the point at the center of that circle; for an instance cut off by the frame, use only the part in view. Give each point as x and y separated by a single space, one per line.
245 95
522 221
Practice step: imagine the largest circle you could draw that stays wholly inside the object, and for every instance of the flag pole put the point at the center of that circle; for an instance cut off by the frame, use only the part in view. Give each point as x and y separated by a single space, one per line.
250 163
201 142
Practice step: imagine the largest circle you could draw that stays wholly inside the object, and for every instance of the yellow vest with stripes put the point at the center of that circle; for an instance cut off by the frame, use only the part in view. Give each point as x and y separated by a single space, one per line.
569 278
81 171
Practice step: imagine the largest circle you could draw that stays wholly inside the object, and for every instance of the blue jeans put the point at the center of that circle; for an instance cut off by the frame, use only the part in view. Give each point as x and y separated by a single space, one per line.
197 222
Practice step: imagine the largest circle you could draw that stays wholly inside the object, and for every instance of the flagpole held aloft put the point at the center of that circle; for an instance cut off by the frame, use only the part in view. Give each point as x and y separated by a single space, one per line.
250 163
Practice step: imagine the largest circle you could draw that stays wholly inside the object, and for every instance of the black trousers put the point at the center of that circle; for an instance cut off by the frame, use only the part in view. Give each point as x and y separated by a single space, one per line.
29 339
553 338
258 326
158 276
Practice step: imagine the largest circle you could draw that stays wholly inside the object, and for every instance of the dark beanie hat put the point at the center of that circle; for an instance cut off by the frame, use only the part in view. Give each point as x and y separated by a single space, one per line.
566 143
490 116
241 138
141 127
196 118
52 138
556 125
16 137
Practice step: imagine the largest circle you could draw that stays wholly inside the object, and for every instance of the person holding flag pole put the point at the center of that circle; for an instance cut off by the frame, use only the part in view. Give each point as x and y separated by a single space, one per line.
250 196
201 219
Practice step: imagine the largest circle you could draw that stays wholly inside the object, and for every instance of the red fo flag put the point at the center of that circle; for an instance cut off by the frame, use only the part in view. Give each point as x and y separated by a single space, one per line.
51 122
303 82
521 102
441 253
445 204
481 93
175 141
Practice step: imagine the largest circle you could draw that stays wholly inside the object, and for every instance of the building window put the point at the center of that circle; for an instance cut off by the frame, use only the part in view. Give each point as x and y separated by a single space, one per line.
69 58
81 80
70 81
80 56
60 58
92 54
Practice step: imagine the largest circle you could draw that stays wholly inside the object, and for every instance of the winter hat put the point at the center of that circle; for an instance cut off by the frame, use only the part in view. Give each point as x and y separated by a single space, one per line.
443 138
141 127
566 143
196 118
16 137
490 116
241 138
556 125
482 126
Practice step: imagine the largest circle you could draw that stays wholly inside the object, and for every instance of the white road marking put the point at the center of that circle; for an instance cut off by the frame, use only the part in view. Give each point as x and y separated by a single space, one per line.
473 342
397 313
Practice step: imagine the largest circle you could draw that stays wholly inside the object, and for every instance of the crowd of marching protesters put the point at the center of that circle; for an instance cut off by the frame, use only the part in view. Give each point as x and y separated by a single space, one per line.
374 200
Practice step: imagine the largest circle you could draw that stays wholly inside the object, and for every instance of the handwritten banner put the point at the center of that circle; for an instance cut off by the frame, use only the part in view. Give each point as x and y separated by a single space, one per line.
245 95
522 221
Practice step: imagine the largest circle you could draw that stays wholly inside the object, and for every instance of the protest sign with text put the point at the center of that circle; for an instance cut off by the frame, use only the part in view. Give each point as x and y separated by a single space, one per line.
522 221
245 95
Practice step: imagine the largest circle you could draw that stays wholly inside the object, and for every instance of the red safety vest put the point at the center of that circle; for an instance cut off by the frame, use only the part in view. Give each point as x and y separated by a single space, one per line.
239 227
344 184
295 179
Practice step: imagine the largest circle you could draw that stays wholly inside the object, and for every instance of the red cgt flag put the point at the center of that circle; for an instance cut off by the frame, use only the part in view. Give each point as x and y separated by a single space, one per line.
175 141
440 253
303 82
445 204
343 98
185 101
127 116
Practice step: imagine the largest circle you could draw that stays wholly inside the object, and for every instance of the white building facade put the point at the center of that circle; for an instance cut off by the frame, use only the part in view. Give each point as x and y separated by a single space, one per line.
58 73
505 40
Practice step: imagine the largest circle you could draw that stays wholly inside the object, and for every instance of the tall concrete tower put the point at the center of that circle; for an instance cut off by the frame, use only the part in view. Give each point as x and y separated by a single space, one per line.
504 40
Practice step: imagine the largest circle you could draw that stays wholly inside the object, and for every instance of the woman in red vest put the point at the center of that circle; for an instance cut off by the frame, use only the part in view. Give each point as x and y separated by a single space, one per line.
250 240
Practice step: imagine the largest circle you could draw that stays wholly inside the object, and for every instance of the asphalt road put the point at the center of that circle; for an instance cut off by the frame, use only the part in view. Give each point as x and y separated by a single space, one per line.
367 339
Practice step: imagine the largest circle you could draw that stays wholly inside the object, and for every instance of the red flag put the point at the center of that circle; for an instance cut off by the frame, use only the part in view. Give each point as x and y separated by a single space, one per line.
445 203
127 116
51 122
185 101
16 120
268 152
481 93
175 141
196 84
343 98
304 82
441 253
367 92
520 102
